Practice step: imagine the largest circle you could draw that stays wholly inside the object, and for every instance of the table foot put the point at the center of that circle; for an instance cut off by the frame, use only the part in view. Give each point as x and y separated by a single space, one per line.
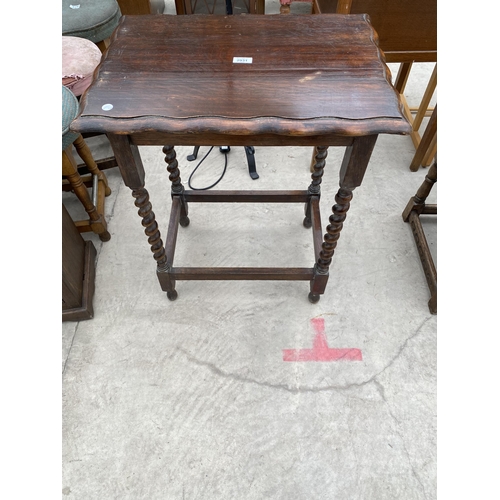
313 297
307 223
172 295
184 221
105 236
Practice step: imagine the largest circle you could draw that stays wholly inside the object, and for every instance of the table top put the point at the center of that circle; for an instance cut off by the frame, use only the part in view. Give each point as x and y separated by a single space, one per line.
300 75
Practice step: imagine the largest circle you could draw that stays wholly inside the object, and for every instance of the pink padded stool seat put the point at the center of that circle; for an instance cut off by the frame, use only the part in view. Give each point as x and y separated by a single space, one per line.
80 57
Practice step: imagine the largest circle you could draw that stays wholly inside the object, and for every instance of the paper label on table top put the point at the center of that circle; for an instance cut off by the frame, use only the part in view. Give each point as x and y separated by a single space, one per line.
242 60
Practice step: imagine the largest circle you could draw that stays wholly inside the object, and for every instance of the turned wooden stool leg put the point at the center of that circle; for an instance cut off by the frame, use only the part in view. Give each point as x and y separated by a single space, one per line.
103 45
284 8
352 171
417 202
70 171
85 154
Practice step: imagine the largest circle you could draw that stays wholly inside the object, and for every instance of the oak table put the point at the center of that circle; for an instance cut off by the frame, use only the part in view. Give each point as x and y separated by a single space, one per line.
254 80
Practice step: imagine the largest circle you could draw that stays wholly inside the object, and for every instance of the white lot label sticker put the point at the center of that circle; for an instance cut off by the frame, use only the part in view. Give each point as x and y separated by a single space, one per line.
242 60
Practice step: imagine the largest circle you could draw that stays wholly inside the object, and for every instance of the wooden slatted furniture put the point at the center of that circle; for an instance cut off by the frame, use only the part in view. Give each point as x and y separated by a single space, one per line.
338 94
426 149
218 7
407 33
416 207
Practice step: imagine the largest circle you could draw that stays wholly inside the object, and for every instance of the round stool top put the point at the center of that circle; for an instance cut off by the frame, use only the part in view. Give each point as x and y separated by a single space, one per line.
70 109
80 57
94 20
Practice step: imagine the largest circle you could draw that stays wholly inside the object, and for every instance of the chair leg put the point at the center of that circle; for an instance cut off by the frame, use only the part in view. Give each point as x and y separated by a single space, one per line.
426 99
431 152
103 45
422 109
402 76
97 222
284 8
429 139
85 154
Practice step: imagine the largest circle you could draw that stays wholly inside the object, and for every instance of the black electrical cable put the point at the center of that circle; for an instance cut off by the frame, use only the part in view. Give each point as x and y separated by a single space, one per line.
196 168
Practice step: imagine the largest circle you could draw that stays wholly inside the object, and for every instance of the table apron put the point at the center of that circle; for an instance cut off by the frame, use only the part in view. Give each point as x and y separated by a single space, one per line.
152 138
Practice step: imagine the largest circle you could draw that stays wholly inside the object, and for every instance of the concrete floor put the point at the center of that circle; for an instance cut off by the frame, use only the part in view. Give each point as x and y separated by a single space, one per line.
192 399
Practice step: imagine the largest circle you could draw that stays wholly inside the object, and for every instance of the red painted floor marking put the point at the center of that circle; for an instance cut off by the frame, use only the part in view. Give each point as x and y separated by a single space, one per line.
320 350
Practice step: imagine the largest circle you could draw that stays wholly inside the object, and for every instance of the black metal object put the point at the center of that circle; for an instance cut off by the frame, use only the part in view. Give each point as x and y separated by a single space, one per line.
249 150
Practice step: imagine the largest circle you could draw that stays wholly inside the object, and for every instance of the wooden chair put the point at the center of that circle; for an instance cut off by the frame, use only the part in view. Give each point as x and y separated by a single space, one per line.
407 34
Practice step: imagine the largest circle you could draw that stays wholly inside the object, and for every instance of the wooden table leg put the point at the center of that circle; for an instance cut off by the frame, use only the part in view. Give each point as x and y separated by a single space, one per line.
175 179
132 171
317 168
178 216
352 171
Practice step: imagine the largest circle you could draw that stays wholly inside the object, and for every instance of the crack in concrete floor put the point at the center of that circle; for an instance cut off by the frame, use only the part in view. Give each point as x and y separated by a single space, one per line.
300 389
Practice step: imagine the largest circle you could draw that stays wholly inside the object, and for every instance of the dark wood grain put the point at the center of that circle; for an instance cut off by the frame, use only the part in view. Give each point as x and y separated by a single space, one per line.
324 74
407 29
314 80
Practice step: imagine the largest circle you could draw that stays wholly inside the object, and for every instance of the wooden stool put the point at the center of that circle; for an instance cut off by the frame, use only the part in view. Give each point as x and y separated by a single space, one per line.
80 57
94 206
417 206
94 20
